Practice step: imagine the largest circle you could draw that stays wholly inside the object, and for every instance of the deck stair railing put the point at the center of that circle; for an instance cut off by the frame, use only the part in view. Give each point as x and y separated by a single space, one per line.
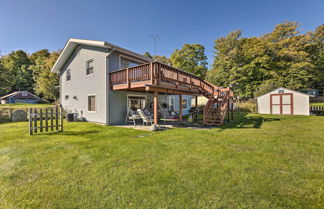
216 108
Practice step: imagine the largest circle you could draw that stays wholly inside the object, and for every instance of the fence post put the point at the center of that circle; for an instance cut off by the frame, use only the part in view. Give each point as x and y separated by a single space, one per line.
52 122
56 118
41 119
30 121
35 120
61 118
46 119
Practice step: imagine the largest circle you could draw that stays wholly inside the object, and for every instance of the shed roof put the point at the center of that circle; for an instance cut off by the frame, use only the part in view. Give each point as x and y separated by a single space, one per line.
298 92
18 92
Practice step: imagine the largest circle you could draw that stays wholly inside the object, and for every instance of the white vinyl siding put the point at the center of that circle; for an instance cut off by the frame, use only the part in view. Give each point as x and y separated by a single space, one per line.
81 86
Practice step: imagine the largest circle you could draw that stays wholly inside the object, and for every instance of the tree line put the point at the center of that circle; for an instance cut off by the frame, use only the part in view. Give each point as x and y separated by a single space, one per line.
21 71
251 66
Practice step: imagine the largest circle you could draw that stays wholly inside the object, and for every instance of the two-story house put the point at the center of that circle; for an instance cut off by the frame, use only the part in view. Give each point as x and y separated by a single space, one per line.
100 81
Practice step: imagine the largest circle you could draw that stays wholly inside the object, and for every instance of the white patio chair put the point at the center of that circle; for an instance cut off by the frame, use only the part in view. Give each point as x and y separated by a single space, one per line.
146 119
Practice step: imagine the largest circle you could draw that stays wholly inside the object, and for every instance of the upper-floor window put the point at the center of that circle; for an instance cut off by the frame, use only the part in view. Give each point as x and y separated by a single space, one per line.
126 63
68 74
24 94
89 66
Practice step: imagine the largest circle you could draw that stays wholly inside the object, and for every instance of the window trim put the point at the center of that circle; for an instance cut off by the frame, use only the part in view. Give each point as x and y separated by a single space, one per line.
86 63
92 111
129 58
66 76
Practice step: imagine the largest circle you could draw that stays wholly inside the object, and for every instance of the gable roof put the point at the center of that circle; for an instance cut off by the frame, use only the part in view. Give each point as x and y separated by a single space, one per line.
72 43
18 92
285 89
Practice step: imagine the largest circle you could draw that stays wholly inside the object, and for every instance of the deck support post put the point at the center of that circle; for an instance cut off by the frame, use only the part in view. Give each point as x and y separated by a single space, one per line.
196 101
180 107
155 111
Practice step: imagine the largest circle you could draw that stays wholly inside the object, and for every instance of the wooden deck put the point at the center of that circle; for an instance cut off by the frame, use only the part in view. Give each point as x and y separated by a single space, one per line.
155 77
158 77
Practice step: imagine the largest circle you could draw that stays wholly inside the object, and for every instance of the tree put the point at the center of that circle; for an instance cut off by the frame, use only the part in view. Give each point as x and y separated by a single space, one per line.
17 72
147 54
266 87
38 61
46 82
162 59
5 80
191 58
159 58
283 57
316 50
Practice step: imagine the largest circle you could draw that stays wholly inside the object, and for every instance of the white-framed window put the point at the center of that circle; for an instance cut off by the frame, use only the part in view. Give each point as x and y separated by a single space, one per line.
127 62
68 74
92 103
185 103
135 101
89 66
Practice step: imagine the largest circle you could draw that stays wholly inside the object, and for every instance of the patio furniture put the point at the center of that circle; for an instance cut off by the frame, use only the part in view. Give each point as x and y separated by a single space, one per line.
169 120
132 117
146 119
166 115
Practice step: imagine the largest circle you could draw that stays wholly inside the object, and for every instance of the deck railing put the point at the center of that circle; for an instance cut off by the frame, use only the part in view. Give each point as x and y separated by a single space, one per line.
155 73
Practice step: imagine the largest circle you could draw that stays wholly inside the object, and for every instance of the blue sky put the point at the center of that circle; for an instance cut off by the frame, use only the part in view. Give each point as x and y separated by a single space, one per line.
37 24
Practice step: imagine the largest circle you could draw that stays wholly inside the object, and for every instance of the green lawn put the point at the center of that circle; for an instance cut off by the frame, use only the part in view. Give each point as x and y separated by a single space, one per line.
317 104
258 162
23 105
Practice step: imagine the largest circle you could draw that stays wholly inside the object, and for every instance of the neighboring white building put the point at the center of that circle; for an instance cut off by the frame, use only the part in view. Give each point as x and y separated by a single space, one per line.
284 102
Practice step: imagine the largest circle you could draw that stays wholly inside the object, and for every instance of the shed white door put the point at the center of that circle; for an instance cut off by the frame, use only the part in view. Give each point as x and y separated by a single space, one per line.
281 103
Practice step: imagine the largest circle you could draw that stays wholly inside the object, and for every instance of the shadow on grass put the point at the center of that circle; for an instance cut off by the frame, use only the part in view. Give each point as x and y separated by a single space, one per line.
69 133
242 120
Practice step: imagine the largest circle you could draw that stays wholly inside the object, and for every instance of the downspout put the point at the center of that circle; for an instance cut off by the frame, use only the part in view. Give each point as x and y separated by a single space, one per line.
108 87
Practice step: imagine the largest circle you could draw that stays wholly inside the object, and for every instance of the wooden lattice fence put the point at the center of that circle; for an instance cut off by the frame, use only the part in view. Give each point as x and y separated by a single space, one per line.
45 119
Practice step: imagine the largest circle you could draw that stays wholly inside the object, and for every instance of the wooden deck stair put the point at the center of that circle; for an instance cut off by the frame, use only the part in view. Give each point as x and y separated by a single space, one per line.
216 108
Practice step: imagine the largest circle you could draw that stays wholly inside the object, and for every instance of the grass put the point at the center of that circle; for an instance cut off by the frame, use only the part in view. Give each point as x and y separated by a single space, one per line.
317 104
23 105
257 162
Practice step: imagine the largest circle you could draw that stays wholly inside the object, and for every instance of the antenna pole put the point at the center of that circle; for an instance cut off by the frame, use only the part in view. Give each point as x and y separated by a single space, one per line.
155 37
